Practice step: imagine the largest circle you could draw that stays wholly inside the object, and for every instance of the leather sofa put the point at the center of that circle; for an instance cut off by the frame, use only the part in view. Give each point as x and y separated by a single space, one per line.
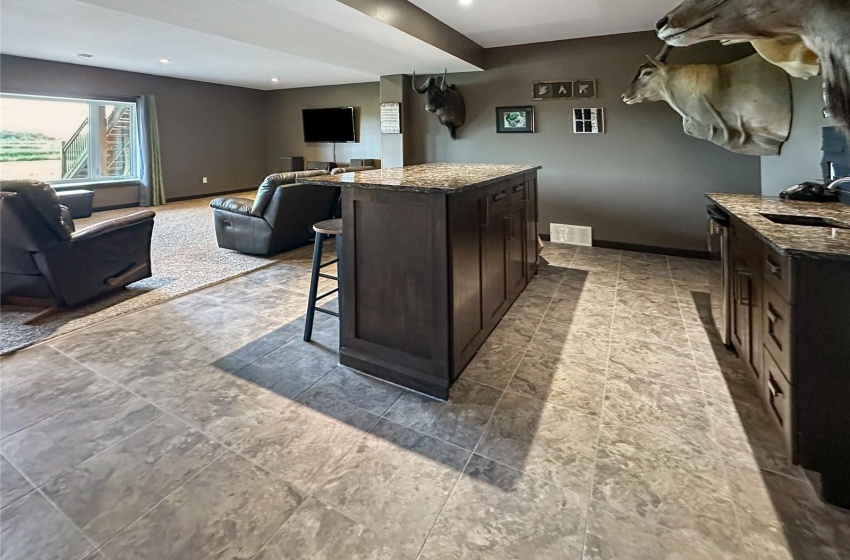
279 218
44 260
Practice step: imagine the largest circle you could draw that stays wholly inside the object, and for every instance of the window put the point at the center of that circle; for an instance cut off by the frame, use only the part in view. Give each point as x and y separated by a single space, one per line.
62 141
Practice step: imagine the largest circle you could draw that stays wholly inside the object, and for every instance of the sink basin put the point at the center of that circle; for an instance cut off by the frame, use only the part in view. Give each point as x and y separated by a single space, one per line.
813 221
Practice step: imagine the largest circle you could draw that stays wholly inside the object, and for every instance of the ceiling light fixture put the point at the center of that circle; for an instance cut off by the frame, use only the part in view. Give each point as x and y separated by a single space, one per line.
275 80
84 55
164 61
465 2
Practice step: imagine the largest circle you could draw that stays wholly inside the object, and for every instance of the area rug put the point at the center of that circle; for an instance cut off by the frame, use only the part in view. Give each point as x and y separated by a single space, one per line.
184 258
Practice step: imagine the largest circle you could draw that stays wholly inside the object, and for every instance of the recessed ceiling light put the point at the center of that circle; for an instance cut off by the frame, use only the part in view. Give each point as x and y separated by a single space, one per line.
164 61
85 55
275 80
465 2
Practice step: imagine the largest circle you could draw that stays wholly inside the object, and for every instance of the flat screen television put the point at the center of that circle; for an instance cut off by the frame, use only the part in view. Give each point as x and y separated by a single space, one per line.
328 125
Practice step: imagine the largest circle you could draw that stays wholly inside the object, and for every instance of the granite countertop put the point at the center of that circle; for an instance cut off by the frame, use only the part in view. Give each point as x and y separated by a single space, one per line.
429 177
795 240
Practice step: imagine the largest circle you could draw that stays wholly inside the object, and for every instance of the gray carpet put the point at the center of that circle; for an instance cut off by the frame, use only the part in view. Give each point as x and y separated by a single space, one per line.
184 257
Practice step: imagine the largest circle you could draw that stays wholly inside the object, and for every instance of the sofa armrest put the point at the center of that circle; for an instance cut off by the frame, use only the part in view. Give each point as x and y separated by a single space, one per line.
112 225
233 204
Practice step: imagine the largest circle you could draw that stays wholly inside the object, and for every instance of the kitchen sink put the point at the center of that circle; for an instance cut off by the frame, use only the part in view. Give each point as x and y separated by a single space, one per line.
813 221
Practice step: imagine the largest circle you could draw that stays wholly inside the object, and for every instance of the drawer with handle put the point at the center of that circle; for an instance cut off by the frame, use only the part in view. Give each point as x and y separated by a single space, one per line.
777 272
777 396
496 200
516 192
777 327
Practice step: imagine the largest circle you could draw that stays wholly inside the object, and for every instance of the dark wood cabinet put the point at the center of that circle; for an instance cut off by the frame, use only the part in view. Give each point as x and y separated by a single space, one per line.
429 275
791 326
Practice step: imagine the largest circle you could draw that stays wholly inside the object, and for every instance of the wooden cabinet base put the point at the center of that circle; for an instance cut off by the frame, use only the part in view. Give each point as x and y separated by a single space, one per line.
428 275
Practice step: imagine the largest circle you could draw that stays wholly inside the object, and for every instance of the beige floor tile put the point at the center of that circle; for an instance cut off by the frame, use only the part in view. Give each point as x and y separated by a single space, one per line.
664 305
563 382
582 345
658 362
32 528
651 328
543 440
494 365
496 512
419 470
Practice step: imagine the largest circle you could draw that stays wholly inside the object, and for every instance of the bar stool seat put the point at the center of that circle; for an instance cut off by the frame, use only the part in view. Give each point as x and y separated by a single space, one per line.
327 227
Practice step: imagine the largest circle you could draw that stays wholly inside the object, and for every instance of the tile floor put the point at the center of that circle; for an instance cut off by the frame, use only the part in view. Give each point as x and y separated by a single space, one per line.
600 421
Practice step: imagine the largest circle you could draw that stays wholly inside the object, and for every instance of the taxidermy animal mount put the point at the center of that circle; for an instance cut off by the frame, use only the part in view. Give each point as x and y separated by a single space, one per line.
744 106
822 24
444 100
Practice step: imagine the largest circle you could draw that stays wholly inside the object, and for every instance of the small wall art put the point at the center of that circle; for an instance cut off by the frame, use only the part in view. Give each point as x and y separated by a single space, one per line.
515 119
589 121
564 89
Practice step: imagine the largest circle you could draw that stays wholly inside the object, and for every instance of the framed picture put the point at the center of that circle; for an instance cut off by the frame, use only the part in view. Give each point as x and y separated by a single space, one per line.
589 121
515 119
563 89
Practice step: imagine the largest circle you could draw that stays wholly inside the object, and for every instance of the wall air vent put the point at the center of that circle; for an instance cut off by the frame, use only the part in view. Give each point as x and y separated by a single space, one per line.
574 235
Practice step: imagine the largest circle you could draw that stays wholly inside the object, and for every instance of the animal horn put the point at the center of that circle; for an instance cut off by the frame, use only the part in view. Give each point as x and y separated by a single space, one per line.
421 89
443 85
665 51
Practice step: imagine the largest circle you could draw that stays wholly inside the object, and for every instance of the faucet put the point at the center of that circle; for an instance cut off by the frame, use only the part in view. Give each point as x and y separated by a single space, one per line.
833 187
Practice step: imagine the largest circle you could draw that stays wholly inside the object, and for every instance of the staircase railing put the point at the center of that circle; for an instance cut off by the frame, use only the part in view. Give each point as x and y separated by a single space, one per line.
75 151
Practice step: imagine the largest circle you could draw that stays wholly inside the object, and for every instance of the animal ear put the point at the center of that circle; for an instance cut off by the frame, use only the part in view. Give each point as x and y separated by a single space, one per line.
655 62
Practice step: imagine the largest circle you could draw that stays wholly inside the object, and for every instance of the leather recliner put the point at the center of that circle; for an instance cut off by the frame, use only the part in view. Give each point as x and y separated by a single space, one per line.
43 258
278 219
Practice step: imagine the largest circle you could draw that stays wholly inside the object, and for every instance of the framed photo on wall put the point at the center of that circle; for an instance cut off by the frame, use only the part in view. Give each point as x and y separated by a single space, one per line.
515 119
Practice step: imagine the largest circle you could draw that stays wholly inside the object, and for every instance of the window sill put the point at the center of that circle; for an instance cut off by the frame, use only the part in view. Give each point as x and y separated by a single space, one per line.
97 184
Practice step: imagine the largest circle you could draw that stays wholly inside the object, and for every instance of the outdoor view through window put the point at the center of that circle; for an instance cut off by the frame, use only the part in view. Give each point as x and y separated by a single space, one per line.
63 140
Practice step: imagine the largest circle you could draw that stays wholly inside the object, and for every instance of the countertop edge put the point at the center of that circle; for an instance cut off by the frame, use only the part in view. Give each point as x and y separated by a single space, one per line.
790 252
429 190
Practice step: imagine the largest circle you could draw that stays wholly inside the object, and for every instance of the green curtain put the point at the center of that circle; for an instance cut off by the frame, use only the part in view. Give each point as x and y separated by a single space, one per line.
152 192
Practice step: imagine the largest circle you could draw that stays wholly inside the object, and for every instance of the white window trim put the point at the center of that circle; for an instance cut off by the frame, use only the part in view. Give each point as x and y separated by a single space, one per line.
94 140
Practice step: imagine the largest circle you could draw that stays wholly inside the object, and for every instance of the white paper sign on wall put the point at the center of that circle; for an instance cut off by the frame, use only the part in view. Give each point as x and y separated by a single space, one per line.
391 118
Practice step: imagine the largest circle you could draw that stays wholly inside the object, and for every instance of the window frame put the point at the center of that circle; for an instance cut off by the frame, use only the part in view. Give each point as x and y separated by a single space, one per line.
94 140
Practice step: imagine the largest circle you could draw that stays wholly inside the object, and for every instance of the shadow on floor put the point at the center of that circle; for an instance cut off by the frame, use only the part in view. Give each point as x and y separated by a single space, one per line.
778 492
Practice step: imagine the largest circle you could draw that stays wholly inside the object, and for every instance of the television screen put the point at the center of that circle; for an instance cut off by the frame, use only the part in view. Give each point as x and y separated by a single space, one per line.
328 125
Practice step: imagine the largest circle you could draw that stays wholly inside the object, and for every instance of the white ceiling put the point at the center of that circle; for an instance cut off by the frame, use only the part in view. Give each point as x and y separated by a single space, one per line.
497 23
244 43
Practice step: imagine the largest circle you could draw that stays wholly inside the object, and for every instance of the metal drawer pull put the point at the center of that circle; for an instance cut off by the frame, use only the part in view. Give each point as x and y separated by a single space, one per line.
772 316
775 269
518 188
500 196
773 387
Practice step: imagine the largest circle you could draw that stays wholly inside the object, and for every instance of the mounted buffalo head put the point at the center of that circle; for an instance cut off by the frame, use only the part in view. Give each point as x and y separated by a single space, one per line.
822 24
650 81
444 100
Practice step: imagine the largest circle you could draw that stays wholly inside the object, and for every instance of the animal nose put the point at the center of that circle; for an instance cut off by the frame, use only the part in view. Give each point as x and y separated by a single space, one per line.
659 25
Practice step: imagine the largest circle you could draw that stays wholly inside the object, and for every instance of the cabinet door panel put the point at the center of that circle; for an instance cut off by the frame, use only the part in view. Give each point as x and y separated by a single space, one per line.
531 227
516 262
494 285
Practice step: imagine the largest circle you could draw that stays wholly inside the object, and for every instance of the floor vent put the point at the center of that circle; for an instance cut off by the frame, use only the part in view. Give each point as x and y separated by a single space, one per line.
574 235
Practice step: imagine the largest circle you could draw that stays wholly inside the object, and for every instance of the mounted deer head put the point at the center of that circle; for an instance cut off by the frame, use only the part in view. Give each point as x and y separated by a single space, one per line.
822 24
444 100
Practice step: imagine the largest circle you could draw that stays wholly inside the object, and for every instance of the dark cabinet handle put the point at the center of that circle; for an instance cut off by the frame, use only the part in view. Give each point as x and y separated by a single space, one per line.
775 269
498 197
518 188
510 220
772 315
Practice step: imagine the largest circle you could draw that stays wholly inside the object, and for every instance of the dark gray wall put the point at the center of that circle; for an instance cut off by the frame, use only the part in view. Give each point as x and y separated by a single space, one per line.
642 182
205 129
801 154
286 134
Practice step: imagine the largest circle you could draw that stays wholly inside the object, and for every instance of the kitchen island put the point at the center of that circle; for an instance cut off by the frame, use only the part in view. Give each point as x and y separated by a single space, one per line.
432 257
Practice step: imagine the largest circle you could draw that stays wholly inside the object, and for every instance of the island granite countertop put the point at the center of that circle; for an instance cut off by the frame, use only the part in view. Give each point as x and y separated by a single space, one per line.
792 240
426 178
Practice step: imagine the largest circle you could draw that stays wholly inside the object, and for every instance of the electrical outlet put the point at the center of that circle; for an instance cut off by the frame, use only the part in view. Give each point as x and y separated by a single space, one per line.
204 180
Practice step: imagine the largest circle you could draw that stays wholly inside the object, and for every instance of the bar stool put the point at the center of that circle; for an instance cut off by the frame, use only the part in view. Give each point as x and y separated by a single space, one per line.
327 227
